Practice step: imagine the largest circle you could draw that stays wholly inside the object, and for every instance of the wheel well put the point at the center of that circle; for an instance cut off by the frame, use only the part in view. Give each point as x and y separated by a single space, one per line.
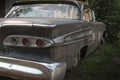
83 52
104 34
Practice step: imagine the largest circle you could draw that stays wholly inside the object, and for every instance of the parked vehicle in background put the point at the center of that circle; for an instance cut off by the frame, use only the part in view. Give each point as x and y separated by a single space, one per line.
39 40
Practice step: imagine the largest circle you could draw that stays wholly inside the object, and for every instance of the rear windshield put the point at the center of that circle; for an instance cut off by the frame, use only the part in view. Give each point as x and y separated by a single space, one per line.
45 11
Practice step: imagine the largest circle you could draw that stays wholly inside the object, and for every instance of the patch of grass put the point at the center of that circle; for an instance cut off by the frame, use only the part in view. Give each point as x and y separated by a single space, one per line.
100 65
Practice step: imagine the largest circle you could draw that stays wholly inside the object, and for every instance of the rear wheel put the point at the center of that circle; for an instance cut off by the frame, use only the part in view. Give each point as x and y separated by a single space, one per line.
102 43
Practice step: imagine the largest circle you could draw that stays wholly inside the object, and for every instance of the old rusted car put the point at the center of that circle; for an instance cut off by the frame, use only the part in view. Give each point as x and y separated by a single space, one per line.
39 40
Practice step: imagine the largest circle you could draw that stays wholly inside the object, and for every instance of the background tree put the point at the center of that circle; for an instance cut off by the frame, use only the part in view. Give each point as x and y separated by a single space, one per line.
108 11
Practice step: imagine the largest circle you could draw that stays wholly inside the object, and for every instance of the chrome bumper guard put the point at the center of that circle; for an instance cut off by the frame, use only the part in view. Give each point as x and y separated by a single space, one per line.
30 70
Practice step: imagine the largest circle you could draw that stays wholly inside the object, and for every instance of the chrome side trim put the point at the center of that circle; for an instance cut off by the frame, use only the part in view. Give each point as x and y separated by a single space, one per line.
17 24
61 40
78 40
30 70
44 25
30 25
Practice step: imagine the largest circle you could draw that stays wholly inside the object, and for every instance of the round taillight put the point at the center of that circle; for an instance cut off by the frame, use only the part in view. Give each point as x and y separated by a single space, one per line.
13 41
25 42
39 42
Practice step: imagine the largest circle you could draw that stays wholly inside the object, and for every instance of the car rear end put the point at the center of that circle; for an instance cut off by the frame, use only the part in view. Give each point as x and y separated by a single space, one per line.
25 52
27 39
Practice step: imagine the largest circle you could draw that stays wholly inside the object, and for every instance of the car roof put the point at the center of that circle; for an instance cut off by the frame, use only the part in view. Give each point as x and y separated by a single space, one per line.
72 2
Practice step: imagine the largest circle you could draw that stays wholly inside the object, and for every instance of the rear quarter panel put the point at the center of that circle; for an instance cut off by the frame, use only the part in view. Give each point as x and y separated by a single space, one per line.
65 51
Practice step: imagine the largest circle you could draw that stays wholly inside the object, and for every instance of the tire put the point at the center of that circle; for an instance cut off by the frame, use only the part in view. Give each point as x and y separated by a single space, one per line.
102 43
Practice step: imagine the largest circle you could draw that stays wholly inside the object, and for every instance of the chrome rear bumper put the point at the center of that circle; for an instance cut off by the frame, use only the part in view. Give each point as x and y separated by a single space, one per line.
30 70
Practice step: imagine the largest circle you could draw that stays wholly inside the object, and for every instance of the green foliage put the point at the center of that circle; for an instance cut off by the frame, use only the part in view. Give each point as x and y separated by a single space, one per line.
108 11
101 65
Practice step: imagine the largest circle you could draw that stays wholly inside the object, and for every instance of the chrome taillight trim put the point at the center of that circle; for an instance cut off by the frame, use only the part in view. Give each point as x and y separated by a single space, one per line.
32 39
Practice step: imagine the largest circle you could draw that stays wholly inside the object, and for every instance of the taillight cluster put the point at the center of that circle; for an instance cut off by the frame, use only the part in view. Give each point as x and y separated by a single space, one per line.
39 42
27 41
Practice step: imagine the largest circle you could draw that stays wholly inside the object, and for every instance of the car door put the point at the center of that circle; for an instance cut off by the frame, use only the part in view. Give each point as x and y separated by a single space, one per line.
89 17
